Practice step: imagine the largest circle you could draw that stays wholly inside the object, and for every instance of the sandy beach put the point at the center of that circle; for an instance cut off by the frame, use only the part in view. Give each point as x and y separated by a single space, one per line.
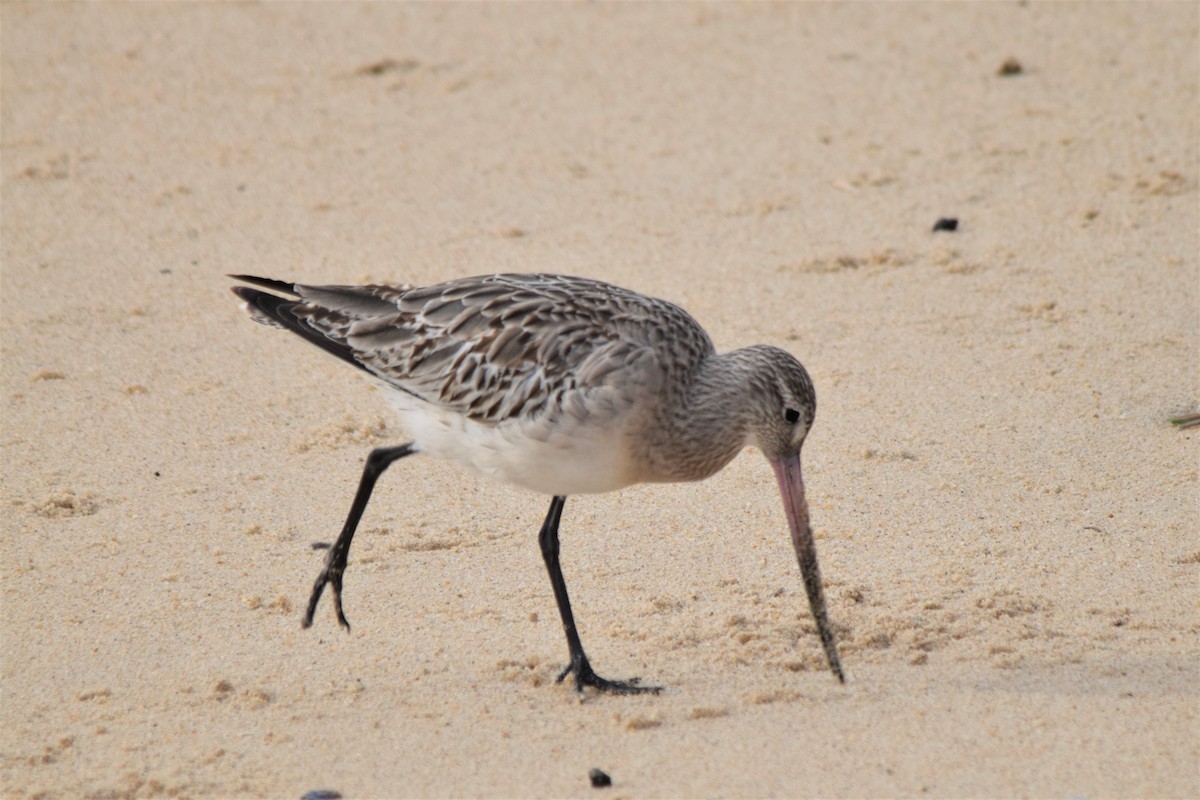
1008 523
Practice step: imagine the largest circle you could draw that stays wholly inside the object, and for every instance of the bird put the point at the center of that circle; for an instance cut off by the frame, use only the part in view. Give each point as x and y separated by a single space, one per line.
561 385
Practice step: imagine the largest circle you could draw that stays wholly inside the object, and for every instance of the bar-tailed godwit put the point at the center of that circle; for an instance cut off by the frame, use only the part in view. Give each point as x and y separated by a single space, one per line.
561 385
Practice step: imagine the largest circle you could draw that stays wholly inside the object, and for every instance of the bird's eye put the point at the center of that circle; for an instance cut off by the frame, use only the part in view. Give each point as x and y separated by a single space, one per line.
791 415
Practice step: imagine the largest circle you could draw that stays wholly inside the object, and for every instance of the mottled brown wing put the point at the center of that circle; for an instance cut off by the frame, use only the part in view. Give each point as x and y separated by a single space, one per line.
494 347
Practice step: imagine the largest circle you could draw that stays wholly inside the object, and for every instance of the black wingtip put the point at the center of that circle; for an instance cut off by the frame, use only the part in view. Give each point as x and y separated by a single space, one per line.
287 287
268 307
281 312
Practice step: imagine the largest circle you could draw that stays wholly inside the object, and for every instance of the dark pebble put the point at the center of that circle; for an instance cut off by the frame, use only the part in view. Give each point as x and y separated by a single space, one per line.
946 224
1010 67
599 778
320 545
321 794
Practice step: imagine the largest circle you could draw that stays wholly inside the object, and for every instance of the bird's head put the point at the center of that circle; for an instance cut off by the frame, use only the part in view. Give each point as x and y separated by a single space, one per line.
787 403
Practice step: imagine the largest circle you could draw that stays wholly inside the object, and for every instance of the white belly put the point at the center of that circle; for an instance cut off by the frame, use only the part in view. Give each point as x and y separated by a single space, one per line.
564 459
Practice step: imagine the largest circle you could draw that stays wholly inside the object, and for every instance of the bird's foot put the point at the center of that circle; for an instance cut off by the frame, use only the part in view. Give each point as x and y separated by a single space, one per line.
585 676
331 574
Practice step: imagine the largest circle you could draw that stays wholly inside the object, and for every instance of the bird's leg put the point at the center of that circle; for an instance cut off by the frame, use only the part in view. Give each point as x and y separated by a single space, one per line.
335 563
584 676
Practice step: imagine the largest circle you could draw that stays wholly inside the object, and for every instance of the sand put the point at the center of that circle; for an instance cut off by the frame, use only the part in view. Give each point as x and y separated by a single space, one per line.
1006 520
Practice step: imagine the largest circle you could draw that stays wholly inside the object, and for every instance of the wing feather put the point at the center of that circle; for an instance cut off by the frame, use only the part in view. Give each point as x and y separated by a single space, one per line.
492 348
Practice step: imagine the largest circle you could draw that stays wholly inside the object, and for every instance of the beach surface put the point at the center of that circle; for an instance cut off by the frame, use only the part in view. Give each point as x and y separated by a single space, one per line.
1006 519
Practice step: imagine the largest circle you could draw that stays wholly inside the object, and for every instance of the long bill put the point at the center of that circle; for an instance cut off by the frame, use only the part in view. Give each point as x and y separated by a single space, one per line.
791 487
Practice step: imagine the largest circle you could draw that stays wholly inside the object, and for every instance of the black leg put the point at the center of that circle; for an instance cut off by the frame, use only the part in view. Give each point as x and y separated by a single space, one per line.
335 563
584 676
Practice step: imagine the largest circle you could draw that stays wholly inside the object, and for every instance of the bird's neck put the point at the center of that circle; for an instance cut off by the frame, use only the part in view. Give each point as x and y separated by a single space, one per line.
703 425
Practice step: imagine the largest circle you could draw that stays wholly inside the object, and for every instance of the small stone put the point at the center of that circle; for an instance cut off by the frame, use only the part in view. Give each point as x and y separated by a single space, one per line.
321 794
599 778
386 65
1010 67
946 224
